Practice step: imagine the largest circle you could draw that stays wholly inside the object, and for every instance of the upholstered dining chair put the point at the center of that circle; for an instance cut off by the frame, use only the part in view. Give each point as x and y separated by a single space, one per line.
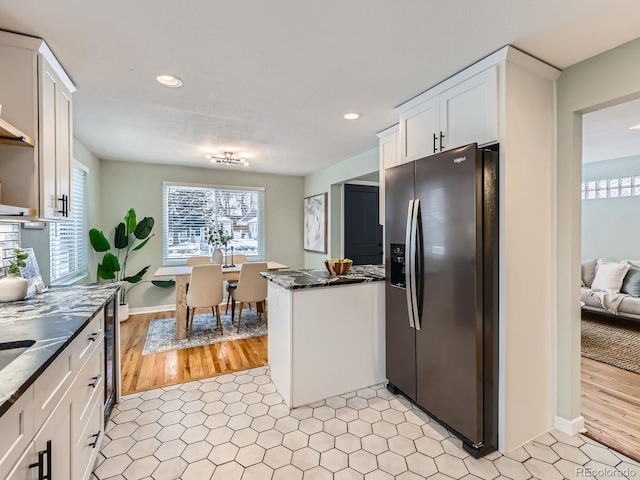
252 288
232 284
199 260
205 291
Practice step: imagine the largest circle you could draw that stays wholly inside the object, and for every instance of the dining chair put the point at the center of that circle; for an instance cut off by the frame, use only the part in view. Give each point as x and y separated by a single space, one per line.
205 292
252 288
199 260
230 285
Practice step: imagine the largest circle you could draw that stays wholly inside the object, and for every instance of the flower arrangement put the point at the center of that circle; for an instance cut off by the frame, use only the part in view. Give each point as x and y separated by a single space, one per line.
18 261
217 237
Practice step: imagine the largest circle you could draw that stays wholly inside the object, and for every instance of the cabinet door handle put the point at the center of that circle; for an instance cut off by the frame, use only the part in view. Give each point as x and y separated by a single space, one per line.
441 137
39 464
435 139
94 336
49 457
94 444
65 205
95 381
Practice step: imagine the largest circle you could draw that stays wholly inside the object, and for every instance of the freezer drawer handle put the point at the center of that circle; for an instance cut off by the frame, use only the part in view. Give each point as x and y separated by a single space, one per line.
408 263
413 259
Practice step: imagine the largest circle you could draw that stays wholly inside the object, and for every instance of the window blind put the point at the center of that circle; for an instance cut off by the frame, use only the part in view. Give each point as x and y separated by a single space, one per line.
68 240
190 211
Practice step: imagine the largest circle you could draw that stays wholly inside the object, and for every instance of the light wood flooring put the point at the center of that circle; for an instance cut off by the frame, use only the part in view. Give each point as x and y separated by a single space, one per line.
611 406
143 372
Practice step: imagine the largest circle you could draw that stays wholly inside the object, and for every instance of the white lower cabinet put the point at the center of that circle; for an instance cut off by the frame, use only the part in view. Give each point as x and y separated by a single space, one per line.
16 431
55 429
87 445
54 439
24 470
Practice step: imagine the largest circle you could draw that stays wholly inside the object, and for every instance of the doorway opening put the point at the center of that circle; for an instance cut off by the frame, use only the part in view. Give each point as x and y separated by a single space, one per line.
610 277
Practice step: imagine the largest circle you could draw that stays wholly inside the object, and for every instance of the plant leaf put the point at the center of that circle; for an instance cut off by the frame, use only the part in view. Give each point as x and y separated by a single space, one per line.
144 228
121 239
143 243
108 267
130 221
137 277
98 241
163 283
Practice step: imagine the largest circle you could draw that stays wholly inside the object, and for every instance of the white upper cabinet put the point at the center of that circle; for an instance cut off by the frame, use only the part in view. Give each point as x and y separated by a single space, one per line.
419 130
38 101
55 143
388 145
388 148
469 111
439 119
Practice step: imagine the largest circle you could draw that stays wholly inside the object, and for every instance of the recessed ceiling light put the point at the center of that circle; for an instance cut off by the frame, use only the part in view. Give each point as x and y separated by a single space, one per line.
635 127
351 116
169 81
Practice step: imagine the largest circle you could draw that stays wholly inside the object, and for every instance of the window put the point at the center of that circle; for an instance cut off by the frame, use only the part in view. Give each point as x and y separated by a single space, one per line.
68 240
190 211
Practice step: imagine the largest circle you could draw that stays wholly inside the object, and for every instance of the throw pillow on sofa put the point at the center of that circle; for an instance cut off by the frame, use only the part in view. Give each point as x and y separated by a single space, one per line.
609 276
588 272
631 282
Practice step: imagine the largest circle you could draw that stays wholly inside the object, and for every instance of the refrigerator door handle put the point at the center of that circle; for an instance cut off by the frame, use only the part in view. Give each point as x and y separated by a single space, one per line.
408 262
414 266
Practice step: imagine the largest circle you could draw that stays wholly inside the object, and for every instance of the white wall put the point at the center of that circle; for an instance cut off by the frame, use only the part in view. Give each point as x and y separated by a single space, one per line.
609 225
322 181
139 185
604 80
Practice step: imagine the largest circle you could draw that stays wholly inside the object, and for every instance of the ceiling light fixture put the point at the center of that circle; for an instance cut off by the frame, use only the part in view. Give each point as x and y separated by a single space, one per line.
228 159
635 127
169 81
351 116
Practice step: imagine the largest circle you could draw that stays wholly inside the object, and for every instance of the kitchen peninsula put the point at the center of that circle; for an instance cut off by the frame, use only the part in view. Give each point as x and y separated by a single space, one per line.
326 332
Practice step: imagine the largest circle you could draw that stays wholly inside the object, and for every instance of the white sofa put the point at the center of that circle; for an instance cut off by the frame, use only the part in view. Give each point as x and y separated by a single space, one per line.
628 295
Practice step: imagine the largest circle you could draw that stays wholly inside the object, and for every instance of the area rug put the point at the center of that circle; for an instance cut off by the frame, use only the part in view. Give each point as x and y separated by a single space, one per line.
611 343
162 332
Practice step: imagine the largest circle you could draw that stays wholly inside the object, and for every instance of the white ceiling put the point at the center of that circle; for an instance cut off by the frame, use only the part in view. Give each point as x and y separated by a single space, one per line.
606 134
273 78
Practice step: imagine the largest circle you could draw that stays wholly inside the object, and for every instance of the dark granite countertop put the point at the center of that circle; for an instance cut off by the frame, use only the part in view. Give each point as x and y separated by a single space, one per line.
53 319
320 277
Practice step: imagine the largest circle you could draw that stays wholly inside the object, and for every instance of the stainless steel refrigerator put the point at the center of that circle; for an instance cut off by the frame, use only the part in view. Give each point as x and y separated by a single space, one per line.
441 238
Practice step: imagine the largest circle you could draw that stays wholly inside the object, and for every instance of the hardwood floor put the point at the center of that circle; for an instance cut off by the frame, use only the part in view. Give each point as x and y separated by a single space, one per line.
143 372
611 406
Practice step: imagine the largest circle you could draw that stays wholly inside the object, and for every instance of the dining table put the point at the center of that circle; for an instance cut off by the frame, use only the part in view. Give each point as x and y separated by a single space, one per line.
182 273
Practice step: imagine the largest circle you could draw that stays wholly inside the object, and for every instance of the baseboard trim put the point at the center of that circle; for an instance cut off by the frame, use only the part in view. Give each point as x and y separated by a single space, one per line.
154 309
570 427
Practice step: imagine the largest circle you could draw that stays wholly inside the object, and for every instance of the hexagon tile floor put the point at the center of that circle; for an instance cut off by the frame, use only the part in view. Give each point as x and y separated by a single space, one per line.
236 427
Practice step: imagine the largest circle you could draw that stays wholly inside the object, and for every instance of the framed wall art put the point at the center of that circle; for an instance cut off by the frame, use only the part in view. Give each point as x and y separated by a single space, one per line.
315 223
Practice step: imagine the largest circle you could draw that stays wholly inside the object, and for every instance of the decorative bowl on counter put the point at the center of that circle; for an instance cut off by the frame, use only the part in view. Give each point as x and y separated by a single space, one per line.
338 266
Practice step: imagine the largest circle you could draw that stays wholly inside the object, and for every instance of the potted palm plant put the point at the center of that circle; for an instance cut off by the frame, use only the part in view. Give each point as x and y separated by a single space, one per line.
129 237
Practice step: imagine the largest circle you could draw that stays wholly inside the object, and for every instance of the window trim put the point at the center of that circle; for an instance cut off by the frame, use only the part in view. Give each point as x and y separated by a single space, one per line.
169 183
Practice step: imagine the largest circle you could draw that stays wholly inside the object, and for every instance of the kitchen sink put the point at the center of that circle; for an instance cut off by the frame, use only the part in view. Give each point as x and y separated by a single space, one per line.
9 351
